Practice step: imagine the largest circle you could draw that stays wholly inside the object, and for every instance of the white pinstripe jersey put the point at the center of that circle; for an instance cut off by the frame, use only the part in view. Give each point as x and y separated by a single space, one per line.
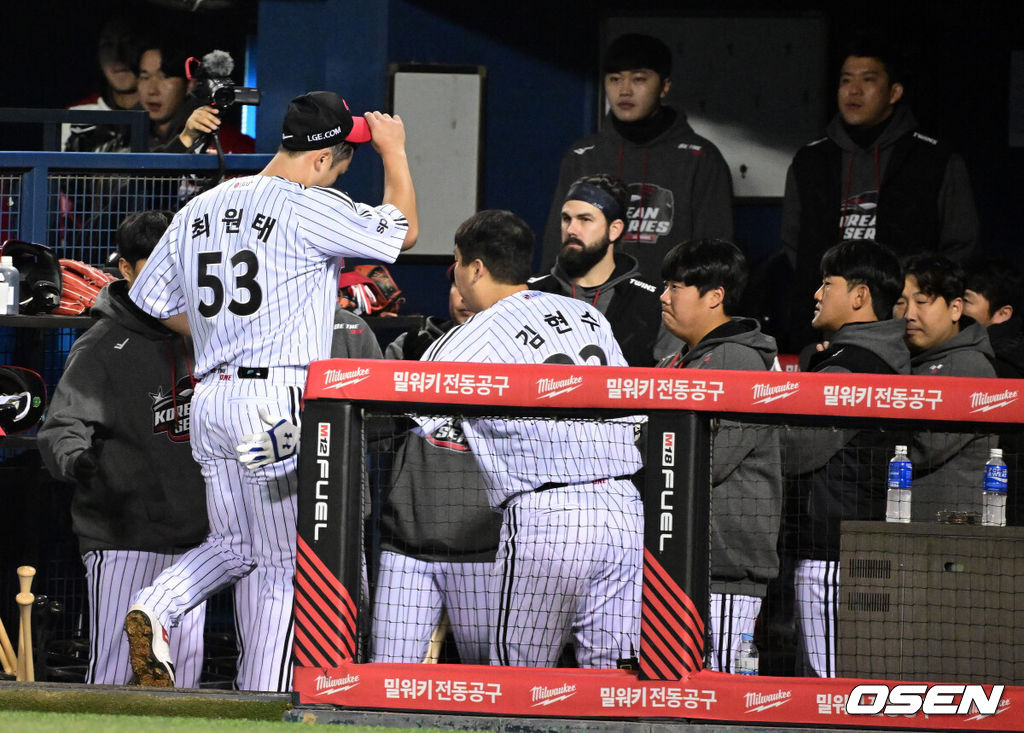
532 327
255 262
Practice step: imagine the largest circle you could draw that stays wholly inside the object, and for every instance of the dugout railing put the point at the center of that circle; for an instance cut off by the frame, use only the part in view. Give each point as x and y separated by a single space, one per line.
73 203
347 399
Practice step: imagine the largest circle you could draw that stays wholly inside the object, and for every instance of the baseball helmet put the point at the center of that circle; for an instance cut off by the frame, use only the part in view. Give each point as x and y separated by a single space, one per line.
40 276
22 399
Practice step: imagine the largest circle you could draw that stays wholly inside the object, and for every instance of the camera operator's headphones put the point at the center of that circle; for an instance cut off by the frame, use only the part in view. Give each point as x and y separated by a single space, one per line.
40 280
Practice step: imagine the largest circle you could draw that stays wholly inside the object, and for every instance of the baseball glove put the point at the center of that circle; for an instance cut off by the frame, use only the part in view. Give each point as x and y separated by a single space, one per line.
81 284
369 290
39 275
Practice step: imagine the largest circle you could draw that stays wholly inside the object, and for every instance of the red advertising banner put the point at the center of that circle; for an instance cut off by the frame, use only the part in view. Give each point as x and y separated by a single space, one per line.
556 385
577 693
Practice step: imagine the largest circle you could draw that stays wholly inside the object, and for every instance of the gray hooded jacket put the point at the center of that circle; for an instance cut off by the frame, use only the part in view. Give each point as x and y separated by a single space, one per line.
948 467
746 472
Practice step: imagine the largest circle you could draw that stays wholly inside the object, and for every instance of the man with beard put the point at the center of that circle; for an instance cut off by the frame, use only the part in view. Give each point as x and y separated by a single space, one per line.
679 183
590 269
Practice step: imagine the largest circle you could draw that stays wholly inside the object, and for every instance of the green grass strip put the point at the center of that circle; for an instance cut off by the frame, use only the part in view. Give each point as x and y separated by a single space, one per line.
134 702
50 722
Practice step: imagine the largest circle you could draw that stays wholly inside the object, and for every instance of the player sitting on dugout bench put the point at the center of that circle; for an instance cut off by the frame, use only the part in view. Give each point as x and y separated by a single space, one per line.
831 474
704 280
943 342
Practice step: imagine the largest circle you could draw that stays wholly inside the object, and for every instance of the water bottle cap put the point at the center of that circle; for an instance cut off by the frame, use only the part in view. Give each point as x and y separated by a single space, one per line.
6 261
901 449
996 453
746 637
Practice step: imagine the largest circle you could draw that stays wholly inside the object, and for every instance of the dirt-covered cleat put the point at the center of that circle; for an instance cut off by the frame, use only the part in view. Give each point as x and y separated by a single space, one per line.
149 650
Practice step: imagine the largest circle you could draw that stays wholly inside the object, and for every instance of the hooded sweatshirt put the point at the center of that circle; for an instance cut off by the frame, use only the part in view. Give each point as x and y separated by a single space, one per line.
679 184
411 344
436 506
948 466
905 190
746 476
629 302
837 474
126 394
1007 339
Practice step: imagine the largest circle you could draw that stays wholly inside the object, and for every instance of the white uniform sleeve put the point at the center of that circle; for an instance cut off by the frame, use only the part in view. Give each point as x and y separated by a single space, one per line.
462 343
370 232
158 291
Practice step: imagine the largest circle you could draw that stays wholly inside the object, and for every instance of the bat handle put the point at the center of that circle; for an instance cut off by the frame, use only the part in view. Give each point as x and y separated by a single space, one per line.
26 667
25 575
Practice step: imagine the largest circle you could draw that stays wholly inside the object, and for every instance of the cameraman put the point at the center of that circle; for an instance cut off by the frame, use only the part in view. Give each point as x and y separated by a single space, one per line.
180 123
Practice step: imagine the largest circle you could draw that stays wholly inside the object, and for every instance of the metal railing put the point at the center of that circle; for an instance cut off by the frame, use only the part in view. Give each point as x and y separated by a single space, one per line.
74 202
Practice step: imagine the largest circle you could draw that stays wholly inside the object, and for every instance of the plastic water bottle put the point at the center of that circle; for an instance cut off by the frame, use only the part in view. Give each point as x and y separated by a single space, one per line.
993 492
901 475
746 655
9 287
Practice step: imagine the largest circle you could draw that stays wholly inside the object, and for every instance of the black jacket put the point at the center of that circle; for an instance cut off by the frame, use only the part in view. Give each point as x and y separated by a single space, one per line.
908 191
1007 339
679 184
436 507
837 474
126 395
629 302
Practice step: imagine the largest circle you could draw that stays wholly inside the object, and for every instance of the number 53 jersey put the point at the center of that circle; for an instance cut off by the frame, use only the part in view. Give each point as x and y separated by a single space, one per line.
254 263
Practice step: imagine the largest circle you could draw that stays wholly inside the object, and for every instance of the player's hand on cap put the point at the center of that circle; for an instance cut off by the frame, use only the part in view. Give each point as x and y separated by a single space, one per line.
278 442
387 132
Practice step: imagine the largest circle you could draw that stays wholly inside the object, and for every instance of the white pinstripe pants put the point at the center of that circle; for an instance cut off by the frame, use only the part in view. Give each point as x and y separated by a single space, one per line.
569 565
252 529
408 600
732 615
112 577
817 606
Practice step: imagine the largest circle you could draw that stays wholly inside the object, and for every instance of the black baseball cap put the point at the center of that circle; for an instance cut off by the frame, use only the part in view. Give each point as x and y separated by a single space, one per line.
319 120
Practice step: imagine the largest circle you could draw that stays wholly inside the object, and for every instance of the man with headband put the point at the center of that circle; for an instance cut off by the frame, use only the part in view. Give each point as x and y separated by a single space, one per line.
678 182
590 268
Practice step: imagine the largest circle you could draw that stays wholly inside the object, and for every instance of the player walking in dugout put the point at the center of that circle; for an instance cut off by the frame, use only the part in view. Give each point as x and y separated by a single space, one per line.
570 556
250 268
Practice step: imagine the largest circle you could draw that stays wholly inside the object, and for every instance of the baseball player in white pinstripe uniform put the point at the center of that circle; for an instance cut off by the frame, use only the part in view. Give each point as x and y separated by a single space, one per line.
250 268
570 558
438 533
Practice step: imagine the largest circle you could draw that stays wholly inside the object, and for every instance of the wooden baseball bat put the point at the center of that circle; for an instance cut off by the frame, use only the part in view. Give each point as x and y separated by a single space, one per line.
437 639
26 668
7 658
25 575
